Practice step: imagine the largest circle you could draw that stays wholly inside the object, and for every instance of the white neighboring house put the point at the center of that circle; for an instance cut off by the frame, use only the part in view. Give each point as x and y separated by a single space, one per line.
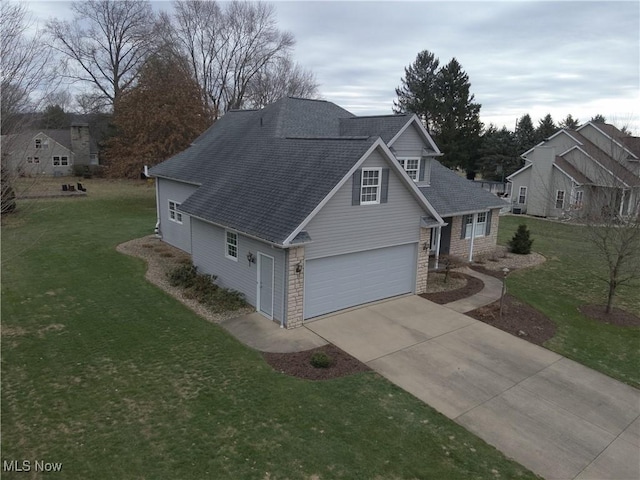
593 169
49 152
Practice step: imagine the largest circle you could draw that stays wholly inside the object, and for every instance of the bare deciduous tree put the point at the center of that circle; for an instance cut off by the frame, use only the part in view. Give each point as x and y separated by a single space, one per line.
106 43
228 45
281 78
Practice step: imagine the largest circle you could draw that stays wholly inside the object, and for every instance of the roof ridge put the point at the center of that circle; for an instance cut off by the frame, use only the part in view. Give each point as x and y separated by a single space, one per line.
378 116
352 137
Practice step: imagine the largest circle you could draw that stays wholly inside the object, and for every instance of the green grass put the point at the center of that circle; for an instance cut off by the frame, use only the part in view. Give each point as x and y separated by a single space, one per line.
110 376
564 282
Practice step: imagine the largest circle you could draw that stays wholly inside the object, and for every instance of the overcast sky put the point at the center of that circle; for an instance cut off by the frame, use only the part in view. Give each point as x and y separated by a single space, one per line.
535 57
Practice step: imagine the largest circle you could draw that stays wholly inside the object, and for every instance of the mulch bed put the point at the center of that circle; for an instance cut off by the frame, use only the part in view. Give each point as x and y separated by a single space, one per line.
473 286
617 317
492 273
298 364
518 319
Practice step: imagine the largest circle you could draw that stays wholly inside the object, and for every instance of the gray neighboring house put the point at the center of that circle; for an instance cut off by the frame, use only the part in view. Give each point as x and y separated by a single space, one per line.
49 152
593 169
307 209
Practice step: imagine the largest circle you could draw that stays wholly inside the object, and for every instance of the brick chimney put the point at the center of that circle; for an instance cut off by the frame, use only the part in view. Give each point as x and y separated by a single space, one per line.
80 143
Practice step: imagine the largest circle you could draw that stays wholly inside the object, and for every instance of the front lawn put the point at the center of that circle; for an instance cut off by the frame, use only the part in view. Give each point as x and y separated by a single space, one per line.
563 283
105 373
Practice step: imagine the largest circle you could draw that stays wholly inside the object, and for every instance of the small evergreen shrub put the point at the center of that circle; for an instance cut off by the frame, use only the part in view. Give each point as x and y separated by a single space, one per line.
521 241
321 360
202 287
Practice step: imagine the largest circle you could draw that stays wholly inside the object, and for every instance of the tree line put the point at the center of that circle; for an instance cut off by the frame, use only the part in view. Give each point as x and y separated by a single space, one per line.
441 96
154 80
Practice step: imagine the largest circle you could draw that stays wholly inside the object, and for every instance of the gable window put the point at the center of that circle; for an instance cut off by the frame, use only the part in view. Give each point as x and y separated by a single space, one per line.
578 200
231 248
522 195
38 143
370 186
60 161
174 214
411 166
560 199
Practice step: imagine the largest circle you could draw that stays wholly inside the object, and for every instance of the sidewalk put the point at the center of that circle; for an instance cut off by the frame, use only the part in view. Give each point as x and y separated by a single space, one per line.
490 293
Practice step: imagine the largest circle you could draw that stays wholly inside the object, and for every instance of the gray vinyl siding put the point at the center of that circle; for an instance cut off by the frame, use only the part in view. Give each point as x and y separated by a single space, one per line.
409 144
341 227
209 256
45 167
560 182
523 179
178 235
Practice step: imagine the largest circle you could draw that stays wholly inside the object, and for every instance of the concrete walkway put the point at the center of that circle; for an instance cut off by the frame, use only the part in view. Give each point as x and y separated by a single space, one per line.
558 418
490 293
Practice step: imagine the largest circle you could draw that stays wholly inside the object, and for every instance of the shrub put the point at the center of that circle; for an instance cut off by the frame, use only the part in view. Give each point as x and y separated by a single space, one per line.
321 360
202 288
521 241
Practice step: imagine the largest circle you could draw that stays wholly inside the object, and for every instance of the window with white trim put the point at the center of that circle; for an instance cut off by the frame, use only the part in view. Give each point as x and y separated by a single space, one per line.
38 143
577 202
60 161
174 214
411 166
231 247
481 224
370 186
33 159
522 195
560 199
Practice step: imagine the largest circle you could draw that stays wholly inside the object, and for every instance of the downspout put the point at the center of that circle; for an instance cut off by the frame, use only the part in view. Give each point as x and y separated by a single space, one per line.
473 236
285 288
157 231
438 238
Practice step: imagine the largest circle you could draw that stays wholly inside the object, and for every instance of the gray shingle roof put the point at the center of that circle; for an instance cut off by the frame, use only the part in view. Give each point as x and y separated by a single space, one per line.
451 195
383 126
262 172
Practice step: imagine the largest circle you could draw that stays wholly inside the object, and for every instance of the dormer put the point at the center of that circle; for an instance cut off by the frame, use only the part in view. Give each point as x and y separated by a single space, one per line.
415 150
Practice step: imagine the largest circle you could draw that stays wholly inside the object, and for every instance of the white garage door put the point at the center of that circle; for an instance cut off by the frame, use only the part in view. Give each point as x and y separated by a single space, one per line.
342 281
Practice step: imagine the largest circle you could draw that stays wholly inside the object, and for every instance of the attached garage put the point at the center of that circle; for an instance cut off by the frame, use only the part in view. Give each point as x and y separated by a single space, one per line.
343 281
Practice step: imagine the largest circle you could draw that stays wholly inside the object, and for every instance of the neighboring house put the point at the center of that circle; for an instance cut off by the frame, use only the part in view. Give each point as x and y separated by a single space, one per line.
49 152
307 209
592 169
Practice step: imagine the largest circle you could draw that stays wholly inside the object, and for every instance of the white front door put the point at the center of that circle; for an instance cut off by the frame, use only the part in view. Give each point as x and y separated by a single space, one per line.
265 285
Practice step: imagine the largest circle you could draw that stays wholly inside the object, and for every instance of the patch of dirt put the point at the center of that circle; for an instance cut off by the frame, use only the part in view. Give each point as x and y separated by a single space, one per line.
298 364
618 317
8 331
518 319
473 285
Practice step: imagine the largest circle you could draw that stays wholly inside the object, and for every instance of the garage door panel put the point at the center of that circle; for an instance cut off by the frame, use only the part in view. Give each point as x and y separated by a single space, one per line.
342 281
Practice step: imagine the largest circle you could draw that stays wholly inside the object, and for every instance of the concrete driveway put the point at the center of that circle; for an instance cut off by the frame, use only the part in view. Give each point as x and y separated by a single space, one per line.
558 418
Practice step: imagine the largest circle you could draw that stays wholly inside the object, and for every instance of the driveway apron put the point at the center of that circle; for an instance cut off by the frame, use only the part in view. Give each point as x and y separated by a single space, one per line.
558 418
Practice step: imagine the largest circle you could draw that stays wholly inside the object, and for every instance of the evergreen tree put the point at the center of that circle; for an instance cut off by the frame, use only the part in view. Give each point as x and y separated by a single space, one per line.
545 129
157 118
417 94
525 134
498 154
54 117
521 241
598 118
441 98
457 119
570 123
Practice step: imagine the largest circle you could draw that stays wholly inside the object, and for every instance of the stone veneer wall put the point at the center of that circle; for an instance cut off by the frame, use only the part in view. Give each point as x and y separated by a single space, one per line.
295 295
423 261
459 247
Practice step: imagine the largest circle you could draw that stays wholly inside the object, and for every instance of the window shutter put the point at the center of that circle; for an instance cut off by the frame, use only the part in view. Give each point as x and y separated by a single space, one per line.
488 231
355 190
463 230
422 167
384 186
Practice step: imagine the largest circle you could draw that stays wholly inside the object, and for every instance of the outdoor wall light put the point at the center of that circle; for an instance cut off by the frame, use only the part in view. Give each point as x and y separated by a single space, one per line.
299 267
251 257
